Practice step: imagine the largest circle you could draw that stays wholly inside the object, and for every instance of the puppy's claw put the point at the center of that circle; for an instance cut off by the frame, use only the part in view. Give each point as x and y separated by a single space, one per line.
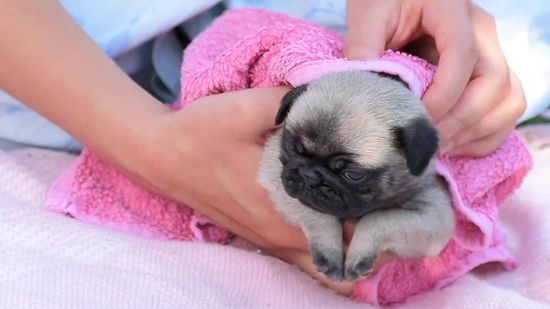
330 263
362 268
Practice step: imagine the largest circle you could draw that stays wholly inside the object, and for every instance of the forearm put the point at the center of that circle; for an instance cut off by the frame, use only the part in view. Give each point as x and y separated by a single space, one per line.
51 65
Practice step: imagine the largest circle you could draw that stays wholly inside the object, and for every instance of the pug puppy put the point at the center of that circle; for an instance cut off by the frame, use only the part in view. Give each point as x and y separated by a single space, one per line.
358 145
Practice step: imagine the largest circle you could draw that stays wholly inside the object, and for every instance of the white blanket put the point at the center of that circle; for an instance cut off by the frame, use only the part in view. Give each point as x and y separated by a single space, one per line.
51 261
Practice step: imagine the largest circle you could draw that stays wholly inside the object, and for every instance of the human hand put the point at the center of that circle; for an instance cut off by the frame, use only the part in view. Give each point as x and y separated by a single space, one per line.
205 155
475 99
217 143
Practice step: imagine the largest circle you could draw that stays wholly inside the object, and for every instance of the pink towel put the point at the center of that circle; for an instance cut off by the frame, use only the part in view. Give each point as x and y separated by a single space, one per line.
253 48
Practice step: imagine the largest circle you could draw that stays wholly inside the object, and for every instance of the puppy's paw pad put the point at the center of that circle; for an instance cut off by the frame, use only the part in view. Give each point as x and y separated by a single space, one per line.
329 263
363 268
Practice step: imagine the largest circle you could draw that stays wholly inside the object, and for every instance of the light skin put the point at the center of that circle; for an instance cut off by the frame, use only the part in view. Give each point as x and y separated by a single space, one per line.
57 70
475 99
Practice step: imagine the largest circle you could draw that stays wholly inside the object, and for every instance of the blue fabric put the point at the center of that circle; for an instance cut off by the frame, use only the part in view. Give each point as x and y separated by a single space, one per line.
117 26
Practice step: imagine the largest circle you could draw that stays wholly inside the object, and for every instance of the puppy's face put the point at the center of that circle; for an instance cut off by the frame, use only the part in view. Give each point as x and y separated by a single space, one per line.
353 142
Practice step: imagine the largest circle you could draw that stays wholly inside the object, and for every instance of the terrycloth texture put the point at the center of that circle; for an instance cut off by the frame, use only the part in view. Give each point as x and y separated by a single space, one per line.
415 72
253 48
478 187
49 261
523 35
95 192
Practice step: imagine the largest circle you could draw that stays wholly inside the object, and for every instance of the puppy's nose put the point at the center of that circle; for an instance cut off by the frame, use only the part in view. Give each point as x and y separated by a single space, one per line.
311 174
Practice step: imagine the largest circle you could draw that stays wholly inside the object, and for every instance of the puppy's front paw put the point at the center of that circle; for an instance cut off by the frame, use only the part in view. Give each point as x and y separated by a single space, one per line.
359 266
329 262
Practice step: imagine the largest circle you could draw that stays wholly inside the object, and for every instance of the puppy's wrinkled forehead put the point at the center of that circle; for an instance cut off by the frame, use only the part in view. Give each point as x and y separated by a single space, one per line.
351 112
317 131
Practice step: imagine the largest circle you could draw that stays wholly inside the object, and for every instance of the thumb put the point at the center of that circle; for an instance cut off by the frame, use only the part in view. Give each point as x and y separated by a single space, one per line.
368 28
262 105
246 114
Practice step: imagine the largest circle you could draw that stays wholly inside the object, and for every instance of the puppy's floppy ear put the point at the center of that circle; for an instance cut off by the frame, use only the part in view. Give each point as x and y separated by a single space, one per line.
419 142
287 102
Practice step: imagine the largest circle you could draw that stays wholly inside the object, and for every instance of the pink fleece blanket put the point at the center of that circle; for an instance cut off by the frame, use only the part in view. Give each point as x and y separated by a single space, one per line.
254 48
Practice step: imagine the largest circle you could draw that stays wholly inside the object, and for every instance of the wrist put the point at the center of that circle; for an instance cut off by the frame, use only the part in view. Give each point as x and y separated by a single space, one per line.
126 135
146 150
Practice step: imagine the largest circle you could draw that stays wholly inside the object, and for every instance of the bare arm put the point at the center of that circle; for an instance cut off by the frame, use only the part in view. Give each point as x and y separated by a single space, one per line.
48 62
194 156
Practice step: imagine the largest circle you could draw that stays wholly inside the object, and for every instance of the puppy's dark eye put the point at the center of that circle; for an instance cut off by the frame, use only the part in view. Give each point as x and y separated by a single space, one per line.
300 148
353 175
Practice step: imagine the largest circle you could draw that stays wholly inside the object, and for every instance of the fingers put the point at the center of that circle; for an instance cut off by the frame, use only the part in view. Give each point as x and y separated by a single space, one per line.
383 259
229 145
480 98
489 86
369 23
305 262
245 114
239 177
233 225
260 109
483 146
490 132
349 229
501 117
449 24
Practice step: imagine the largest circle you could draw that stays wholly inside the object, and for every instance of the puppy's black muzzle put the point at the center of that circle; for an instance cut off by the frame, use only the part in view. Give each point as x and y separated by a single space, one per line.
314 187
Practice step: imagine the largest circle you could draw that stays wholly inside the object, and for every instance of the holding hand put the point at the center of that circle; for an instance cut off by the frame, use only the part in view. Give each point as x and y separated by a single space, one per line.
475 99
205 155
216 143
